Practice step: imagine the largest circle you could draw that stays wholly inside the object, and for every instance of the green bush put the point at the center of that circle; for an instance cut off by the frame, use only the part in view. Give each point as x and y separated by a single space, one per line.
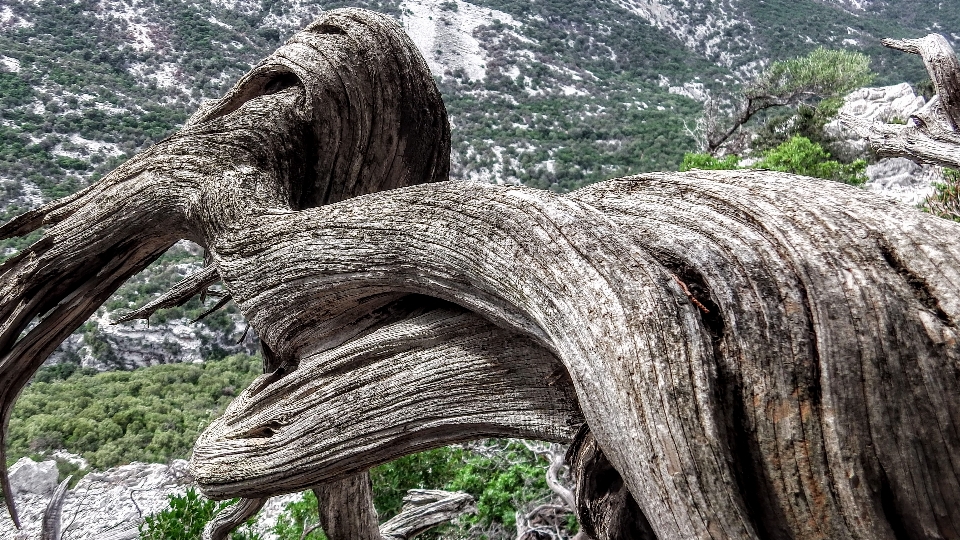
707 162
184 519
945 199
801 156
798 155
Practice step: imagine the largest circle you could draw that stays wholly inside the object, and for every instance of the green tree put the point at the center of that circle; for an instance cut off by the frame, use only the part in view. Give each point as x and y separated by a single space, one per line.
809 80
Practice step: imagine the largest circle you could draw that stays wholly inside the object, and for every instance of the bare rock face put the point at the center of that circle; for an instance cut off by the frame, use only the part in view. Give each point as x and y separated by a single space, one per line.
900 178
29 477
108 505
103 505
880 104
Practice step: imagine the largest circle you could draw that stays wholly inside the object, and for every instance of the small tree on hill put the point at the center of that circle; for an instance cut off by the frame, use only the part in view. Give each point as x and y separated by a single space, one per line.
809 80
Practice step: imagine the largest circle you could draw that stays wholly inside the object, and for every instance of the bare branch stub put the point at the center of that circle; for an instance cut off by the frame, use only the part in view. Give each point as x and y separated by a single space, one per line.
180 294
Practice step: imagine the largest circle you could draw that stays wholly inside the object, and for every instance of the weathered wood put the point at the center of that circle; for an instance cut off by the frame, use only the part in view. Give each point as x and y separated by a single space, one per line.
346 508
795 273
228 519
179 294
53 513
424 509
932 135
604 505
436 376
345 107
942 65
755 354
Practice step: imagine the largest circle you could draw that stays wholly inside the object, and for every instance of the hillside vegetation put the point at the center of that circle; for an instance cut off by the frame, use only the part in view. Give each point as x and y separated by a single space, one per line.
154 414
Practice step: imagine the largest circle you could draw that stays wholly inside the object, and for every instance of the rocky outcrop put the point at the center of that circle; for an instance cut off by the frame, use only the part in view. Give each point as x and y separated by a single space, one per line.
899 178
880 104
903 179
108 505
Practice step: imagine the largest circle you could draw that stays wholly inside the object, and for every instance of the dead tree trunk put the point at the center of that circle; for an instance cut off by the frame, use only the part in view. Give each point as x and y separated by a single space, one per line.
737 342
753 354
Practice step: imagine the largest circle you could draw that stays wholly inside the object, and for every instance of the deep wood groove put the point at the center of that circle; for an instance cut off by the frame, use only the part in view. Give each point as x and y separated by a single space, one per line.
918 285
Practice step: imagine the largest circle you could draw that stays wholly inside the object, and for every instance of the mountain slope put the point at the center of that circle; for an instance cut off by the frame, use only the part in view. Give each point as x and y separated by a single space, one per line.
550 93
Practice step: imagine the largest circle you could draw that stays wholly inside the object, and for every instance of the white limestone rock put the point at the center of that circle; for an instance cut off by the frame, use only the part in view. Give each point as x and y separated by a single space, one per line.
109 505
28 476
902 179
899 178
879 104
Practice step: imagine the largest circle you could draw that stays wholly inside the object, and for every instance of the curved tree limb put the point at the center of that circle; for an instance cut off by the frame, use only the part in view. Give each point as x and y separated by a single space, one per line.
942 65
437 376
53 514
291 134
675 395
933 135
228 519
755 354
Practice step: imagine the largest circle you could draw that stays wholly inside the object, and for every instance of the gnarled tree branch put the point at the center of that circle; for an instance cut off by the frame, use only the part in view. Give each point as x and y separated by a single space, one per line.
933 135
292 134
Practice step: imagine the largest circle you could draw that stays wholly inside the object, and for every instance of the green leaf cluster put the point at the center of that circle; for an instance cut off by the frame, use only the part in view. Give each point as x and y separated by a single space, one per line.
297 517
184 519
801 156
798 155
822 73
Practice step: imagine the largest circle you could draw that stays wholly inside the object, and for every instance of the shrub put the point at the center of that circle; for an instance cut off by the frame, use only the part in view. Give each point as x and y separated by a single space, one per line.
945 199
707 162
801 156
184 519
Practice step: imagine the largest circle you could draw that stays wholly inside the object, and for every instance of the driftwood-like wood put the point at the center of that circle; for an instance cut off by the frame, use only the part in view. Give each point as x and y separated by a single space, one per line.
228 519
754 351
436 375
604 505
753 354
53 513
346 508
345 107
347 511
933 134
424 509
